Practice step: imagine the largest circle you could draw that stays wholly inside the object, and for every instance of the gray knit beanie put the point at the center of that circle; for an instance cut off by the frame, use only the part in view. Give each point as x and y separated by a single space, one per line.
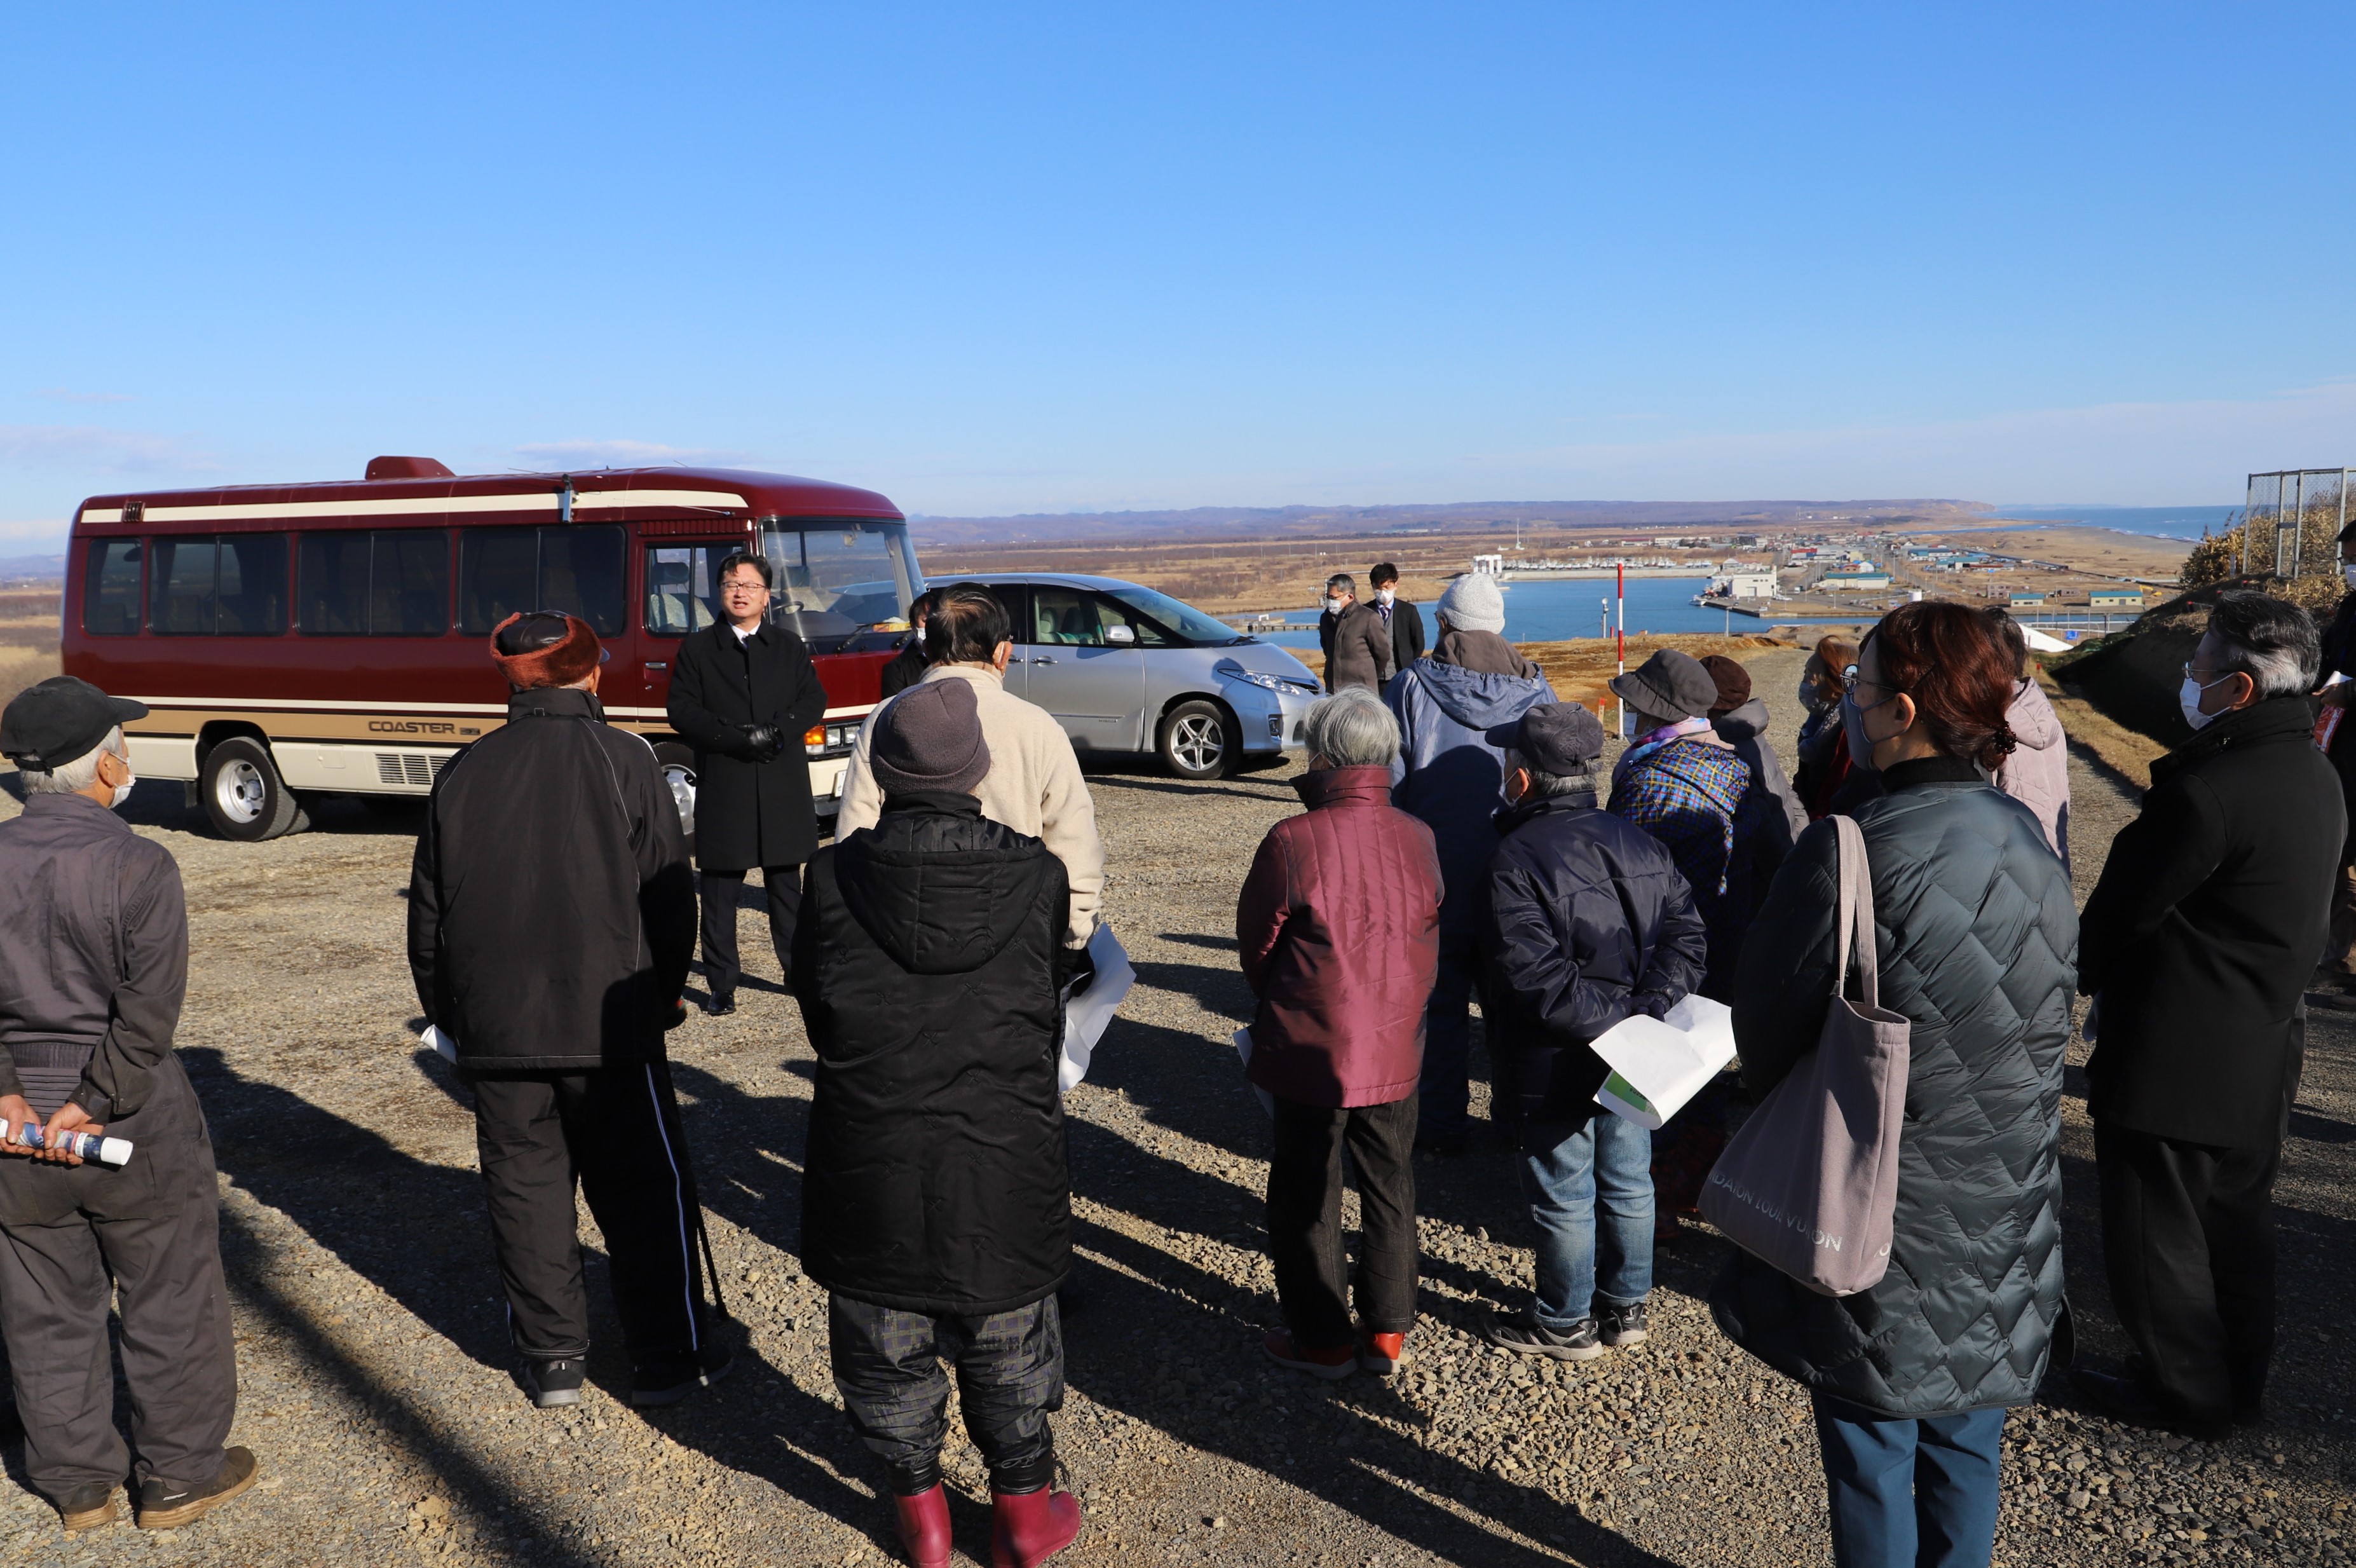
1474 603
930 738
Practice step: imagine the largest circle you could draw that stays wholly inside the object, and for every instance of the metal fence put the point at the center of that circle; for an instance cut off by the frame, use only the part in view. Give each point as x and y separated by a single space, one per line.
2292 521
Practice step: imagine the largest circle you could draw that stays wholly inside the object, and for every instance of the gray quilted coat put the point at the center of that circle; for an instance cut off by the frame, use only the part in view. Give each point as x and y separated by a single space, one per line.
1978 939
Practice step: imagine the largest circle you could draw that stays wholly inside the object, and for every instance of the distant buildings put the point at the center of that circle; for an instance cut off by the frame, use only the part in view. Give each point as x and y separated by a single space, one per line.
1855 577
2115 598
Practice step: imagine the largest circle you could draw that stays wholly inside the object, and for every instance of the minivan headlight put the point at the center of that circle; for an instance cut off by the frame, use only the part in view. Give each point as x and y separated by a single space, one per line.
1266 682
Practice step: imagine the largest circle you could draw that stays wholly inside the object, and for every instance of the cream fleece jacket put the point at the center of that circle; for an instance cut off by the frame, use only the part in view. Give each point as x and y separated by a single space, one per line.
1034 786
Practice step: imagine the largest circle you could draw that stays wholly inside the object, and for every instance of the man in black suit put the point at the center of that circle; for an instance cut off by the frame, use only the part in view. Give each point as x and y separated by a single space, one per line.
743 694
1405 621
2197 946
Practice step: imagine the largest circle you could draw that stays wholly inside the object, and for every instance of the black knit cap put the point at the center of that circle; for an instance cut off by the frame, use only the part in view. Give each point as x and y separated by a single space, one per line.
59 721
1560 738
930 738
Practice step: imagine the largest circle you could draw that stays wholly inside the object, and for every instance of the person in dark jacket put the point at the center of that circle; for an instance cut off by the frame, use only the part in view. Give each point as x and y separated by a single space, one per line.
1828 778
2200 941
1740 720
93 968
1356 641
1400 615
743 692
908 666
935 1203
1585 922
552 917
1688 785
1338 930
1450 776
1977 939
2338 668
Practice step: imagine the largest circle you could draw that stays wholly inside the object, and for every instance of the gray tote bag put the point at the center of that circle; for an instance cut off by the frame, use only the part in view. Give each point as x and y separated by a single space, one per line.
1810 1183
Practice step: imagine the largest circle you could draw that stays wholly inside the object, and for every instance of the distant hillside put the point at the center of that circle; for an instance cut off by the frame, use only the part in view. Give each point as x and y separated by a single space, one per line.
1364 522
32 568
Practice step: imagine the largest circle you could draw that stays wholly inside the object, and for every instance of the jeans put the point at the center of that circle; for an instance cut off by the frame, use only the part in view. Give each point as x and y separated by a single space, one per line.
1304 1220
1445 1091
1608 1163
1010 1372
1911 1494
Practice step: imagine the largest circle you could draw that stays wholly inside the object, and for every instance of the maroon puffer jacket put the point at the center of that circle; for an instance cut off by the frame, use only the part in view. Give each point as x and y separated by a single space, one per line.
1338 926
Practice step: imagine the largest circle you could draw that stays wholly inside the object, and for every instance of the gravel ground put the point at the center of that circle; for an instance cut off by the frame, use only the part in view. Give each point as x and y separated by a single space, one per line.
378 1393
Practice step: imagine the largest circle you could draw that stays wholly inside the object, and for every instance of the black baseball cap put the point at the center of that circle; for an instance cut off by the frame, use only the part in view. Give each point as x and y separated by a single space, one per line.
1560 738
59 721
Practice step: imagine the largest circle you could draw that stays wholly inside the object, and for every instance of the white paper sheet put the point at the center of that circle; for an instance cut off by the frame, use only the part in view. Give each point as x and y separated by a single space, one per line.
1243 1040
1088 1012
1658 1064
442 1045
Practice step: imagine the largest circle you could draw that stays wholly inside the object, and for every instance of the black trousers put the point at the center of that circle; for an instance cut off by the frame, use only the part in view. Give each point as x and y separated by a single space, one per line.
2188 1243
1304 1220
144 1240
783 884
617 1132
1010 1369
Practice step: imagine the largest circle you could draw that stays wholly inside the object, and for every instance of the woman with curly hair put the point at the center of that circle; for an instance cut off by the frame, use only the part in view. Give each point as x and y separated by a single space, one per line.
1978 937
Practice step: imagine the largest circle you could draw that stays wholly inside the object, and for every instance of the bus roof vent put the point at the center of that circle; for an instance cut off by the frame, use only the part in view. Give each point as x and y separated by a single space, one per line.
407 468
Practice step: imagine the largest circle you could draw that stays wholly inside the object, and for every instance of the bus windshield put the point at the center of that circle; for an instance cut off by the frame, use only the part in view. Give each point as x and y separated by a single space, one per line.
842 588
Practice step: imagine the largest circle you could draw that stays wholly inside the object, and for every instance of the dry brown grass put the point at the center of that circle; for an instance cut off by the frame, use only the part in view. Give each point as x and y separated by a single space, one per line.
2122 750
22 667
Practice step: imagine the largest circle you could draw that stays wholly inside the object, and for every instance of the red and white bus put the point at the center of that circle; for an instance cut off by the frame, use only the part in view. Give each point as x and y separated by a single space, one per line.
331 637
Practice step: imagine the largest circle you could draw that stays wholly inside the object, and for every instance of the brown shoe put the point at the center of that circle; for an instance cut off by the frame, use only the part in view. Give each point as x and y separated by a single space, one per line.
164 1507
87 1508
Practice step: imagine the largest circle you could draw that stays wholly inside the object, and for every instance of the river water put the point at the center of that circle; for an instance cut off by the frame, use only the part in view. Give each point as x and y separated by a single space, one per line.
1554 609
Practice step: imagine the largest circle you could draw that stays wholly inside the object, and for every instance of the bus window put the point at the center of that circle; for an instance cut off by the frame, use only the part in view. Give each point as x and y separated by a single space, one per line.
230 586
390 583
409 583
836 581
109 588
681 592
576 570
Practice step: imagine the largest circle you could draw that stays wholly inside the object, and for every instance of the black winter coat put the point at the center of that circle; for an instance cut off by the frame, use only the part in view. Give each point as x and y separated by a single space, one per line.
906 667
552 911
748 813
1978 942
929 962
2340 658
1585 922
2206 926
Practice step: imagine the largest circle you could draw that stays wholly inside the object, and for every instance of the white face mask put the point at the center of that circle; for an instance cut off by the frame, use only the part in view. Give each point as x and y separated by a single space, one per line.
123 791
920 634
1390 595
1336 604
2348 571
2188 697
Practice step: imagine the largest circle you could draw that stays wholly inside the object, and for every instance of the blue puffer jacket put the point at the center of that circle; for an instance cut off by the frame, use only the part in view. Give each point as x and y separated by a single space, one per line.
1449 774
1585 922
1978 942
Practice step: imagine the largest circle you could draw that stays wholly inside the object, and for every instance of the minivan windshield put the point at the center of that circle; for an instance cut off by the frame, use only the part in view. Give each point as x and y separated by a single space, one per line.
838 583
1184 619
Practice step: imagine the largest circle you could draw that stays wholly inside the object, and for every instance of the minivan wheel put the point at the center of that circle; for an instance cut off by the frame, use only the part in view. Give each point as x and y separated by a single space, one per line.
1198 741
244 796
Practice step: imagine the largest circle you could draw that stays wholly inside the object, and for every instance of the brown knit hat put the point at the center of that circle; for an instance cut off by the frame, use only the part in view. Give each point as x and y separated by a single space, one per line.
540 647
930 738
1733 684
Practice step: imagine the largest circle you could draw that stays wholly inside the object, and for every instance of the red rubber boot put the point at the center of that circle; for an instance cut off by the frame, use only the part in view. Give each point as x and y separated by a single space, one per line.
925 1527
1028 1528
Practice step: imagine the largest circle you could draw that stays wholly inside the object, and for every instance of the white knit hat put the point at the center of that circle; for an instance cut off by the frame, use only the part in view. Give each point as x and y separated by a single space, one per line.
1474 603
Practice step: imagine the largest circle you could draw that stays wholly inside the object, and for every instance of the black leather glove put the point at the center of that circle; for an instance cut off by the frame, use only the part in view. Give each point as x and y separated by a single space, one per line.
760 742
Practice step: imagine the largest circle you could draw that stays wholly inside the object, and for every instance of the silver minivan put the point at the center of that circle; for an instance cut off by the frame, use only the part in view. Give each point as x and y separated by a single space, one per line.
1125 669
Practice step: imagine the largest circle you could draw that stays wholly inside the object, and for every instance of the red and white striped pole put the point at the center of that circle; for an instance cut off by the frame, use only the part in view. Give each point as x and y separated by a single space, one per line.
1620 593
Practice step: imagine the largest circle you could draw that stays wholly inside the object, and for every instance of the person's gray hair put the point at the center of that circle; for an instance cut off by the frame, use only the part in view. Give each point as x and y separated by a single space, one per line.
1344 581
2271 641
79 774
1545 785
1352 729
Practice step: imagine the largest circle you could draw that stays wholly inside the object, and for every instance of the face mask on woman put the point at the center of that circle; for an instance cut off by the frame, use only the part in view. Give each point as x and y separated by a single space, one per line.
1811 695
1860 749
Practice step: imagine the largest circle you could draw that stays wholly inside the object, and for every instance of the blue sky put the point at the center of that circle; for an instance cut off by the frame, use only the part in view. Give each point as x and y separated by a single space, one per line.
1041 258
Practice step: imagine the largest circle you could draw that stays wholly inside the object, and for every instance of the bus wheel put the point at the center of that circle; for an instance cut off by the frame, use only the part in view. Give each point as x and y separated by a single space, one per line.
1195 743
678 763
244 796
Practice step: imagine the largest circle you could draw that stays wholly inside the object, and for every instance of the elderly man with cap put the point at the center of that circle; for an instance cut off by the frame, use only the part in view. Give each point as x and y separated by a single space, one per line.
936 1201
1448 776
552 917
93 966
1586 922
1684 783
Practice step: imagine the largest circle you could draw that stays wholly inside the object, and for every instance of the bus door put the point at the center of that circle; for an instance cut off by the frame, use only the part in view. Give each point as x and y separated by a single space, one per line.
680 595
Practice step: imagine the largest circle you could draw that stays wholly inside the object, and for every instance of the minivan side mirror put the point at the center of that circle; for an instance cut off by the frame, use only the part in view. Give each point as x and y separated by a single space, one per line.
1121 635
